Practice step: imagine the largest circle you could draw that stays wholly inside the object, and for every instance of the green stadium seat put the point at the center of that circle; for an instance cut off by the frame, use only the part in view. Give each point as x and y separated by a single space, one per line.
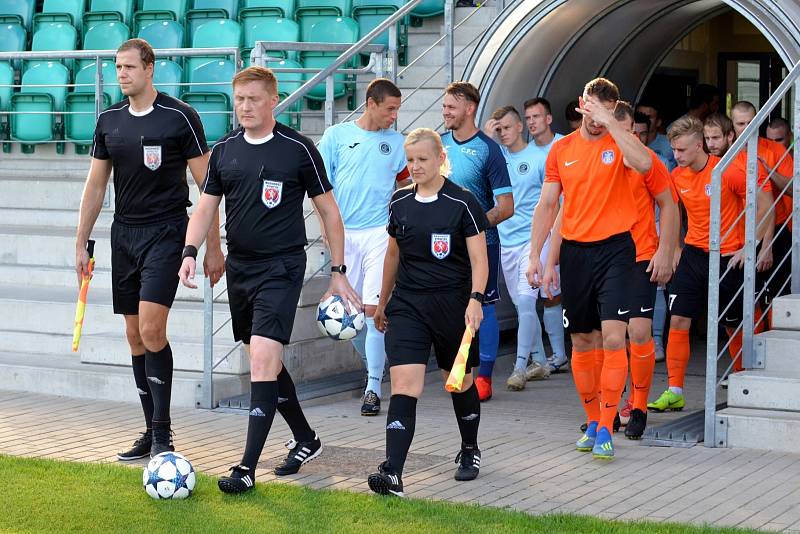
371 13
271 30
90 20
142 19
223 33
84 80
55 36
79 121
310 12
45 19
30 128
176 7
123 7
202 17
163 34
20 9
220 71
73 8
230 7
428 8
104 36
280 8
335 30
215 113
13 37
6 80
166 75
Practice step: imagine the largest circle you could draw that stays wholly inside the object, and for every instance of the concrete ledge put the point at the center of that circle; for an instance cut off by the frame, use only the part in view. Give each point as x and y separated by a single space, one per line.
758 389
786 313
760 429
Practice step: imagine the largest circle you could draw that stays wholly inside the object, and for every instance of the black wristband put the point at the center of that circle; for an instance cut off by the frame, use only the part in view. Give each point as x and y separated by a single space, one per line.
477 296
189 251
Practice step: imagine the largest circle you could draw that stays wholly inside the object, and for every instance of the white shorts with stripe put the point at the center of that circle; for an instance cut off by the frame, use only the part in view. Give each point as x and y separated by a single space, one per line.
364 251
515 268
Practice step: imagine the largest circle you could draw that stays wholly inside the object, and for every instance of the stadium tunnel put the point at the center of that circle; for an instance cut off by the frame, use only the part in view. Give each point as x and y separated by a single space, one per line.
552 47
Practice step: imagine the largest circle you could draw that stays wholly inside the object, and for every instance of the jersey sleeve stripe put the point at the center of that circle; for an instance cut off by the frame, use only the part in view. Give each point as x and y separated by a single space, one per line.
502 191
468 211
319 178
94 138
208 168
196 140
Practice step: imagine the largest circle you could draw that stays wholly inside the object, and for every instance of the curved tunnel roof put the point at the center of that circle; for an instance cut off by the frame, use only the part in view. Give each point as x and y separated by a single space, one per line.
552 47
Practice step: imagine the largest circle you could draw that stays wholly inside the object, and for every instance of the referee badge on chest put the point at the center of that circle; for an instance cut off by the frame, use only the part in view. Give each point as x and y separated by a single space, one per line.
152 157
440 246
271 193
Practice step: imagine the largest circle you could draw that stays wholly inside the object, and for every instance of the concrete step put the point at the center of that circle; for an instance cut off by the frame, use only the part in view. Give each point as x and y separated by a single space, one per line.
49 217
58 193
780 352
68 377
761 390
786 313
759 429
45 164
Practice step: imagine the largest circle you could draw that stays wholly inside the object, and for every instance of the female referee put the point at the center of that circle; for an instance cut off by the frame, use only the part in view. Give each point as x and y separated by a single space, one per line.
434 275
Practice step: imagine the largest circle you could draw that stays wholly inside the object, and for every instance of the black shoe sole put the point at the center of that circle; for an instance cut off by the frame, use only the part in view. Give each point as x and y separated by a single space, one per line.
309 459
226 486
370 413
378 485
131 458
465 477
634 438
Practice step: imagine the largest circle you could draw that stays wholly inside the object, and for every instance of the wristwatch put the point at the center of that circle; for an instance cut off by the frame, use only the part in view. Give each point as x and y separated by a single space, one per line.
341 269
477 296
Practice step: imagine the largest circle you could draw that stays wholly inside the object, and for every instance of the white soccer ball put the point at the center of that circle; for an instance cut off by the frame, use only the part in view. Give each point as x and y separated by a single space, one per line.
168 475
337 320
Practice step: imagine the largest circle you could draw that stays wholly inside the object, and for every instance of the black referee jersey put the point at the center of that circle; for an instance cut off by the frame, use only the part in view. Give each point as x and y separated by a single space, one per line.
264 184
432 237
149 151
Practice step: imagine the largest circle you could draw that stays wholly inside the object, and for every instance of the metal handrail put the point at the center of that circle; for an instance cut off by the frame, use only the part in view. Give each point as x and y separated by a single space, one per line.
747 140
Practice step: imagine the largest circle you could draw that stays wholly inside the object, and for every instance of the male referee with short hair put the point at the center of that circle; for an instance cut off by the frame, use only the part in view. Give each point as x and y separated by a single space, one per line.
148 139
265 169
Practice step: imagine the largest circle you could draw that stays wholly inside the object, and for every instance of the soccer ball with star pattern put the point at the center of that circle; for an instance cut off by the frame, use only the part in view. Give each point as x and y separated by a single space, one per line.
337 320
168 475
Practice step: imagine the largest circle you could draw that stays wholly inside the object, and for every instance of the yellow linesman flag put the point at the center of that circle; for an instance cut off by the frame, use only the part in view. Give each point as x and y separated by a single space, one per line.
80 308
456 379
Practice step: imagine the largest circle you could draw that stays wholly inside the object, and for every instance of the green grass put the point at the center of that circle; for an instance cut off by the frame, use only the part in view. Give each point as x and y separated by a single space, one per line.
50 496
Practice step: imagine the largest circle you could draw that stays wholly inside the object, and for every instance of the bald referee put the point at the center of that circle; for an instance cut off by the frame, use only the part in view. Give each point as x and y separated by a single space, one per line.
265 170
147 139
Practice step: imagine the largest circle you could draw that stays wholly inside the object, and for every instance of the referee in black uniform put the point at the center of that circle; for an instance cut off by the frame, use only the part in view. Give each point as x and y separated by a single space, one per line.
148 139
435 270
265 169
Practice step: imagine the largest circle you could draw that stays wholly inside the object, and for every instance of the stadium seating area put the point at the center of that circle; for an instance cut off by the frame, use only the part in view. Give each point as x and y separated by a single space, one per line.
64 25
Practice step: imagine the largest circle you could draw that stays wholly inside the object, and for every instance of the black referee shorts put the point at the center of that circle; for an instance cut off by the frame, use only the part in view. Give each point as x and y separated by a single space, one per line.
595 282
145 262
642 292
688 291
263 295
418 321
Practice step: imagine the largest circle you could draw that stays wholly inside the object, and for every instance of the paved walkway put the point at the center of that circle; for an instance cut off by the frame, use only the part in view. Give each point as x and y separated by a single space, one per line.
529 461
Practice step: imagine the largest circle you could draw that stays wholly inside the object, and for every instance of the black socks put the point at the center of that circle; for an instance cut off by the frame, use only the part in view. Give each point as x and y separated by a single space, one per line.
467 406
263 402
400 422
145 397
158 366
289 408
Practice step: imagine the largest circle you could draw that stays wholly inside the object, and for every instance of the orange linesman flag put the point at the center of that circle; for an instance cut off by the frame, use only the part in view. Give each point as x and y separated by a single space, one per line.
80 308
456 379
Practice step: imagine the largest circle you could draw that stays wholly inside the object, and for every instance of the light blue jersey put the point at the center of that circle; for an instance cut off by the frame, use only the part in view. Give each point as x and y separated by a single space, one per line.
478 166
660 145
363 167
526 169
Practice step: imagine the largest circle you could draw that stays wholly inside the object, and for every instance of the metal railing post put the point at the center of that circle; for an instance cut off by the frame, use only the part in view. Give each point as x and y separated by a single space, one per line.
393 58
712 334
207 395
750 225
98 88
329 101
449 42
795 286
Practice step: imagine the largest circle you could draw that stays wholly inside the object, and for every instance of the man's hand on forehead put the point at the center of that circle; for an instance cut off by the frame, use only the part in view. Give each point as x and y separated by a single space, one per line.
595 110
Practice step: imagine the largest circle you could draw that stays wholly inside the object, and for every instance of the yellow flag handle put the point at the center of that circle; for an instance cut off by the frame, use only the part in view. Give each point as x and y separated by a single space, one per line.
456 379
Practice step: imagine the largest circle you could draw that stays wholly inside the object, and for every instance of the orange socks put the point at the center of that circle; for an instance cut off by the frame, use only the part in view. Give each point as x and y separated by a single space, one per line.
612 381
599 355
583 364
677 356
643 362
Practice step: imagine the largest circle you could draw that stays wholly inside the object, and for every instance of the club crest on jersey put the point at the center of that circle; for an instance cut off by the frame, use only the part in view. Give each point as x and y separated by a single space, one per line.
271 193
152 157
523 168
607 157
440 246
708 190
385 148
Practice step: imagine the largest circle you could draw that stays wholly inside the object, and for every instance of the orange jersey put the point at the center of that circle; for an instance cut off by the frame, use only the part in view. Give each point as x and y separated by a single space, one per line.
694 190
645 187
773 154
598 202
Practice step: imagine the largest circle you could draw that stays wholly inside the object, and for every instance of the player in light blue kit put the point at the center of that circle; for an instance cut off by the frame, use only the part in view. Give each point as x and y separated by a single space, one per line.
477 164
365 159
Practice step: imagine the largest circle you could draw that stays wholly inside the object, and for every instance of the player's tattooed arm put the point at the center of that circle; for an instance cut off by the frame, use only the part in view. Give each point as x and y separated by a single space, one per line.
504 208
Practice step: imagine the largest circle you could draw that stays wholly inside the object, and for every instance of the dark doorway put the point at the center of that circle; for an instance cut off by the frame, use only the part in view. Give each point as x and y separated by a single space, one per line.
670 89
